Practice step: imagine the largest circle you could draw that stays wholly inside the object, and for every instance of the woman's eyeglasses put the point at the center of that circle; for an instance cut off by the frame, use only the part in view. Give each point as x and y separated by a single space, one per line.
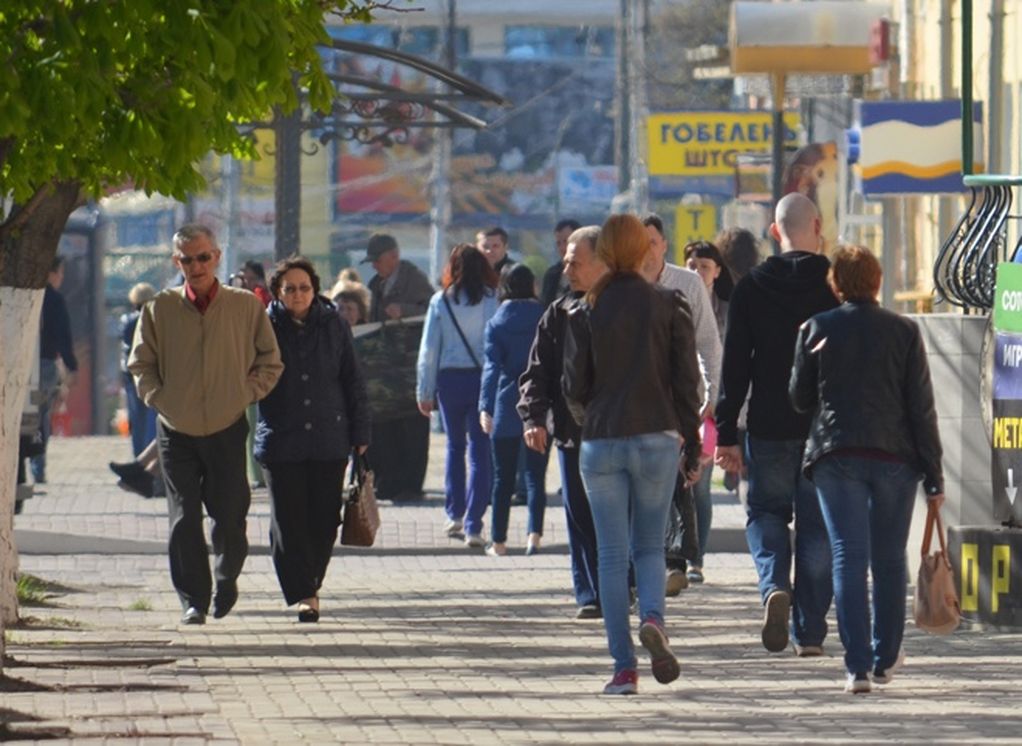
203 258
292 289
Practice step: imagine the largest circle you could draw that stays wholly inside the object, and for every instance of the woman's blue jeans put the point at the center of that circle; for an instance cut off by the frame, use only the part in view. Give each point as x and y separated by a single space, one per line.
867 505
457 392
629 482
506 457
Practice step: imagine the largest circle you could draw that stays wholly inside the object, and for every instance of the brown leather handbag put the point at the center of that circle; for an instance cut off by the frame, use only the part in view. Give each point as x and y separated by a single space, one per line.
936 607
360 514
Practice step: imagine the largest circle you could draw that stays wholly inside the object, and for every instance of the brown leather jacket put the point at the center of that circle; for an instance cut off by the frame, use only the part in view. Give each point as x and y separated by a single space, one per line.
630 365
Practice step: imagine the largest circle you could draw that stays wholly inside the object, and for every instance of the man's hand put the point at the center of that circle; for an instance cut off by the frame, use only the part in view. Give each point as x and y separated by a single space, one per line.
426 407
536 438
393 311
729 458
486 422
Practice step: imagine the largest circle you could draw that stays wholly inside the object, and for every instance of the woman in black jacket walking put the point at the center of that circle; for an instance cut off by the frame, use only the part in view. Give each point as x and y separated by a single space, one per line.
631 379
862 372
307 427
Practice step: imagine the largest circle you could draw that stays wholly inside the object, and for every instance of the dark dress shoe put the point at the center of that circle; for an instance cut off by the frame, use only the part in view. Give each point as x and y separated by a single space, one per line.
141 484
131 468
225 598
307 613
193 616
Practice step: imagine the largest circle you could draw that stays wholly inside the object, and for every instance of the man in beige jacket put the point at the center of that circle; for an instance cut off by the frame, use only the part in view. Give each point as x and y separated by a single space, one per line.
202 353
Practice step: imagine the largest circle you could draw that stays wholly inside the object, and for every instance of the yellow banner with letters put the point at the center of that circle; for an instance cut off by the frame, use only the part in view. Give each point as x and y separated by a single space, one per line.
707 143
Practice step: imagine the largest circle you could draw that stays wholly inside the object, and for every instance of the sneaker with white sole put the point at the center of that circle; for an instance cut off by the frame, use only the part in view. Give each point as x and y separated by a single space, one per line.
809 651
885 676
676 582
624 682
775 621
857 683
452 527
474 540
662 661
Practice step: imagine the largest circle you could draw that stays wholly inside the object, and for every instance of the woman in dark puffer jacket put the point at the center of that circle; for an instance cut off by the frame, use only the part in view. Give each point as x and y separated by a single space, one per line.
307 427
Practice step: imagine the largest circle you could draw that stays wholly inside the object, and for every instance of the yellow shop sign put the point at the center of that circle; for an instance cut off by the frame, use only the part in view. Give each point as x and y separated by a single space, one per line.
707 143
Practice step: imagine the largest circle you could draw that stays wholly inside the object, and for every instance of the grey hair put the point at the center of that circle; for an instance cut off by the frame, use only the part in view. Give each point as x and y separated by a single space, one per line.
588 233
191 231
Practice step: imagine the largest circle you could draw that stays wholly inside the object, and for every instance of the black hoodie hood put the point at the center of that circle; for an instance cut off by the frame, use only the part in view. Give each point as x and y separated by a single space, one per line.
795 281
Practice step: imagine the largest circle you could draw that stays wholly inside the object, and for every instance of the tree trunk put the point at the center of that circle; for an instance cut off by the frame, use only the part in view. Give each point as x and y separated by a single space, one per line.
28 243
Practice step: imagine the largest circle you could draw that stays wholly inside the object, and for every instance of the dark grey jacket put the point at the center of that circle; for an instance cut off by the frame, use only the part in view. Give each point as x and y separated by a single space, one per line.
411 290
861 372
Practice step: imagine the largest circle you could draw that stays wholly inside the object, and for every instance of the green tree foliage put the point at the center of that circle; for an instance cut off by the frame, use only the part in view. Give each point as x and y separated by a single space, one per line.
100 93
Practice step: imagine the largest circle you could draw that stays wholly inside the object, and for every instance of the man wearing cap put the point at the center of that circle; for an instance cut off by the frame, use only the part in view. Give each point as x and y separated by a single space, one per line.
399 288
399 454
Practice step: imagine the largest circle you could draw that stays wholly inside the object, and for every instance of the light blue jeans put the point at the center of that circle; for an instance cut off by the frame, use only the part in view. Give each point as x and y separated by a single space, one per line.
629 482
867 504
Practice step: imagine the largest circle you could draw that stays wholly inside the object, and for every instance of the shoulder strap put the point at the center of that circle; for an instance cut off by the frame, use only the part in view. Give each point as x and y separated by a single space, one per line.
461 334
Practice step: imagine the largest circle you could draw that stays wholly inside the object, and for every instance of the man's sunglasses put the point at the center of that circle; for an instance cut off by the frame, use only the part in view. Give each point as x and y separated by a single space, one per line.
203 258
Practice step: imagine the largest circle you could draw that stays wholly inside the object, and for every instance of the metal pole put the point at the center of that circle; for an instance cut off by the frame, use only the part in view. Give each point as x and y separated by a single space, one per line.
967 142
440 210
777 135
621 98
288 195
638 173
228 208
995 95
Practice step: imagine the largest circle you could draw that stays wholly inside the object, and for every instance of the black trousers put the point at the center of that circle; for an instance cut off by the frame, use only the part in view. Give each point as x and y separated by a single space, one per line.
399 455
682 543
305 499
205 471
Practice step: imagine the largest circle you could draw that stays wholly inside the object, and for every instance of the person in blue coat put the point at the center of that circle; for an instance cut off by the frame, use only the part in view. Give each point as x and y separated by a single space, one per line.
308 425
508 338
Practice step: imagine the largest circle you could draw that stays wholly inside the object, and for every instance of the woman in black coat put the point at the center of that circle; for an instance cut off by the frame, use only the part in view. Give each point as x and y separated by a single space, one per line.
308 425
861 370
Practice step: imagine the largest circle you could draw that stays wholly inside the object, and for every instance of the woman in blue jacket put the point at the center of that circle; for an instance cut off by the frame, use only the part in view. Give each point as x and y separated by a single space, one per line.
308 425
509 336
449 371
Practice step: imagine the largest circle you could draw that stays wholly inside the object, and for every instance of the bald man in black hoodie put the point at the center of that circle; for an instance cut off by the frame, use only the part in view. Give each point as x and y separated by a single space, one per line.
767 308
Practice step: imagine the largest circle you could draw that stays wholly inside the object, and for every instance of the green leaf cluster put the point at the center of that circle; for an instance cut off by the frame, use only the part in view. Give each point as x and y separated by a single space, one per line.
108 92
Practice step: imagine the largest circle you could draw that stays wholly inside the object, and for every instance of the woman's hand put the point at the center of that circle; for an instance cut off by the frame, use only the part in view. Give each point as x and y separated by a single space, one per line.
937 500
536 438
486 422
426 408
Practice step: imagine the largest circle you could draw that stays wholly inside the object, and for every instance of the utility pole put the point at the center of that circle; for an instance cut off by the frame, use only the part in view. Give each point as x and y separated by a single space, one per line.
638 29
622 119
287 130
440 181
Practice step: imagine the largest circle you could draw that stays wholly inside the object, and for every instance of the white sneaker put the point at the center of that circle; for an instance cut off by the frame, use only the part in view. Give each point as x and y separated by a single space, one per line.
452 527
858 683
887 675
474 540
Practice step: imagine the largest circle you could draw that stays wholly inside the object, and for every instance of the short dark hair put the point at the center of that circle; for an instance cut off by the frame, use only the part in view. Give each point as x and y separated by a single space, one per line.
57 263
497 231
255 268
855 273
567 223
286 265
653 219
724 283
740 250
516 283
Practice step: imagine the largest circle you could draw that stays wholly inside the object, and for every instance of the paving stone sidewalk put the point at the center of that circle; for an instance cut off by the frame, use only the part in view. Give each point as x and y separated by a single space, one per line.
423 641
